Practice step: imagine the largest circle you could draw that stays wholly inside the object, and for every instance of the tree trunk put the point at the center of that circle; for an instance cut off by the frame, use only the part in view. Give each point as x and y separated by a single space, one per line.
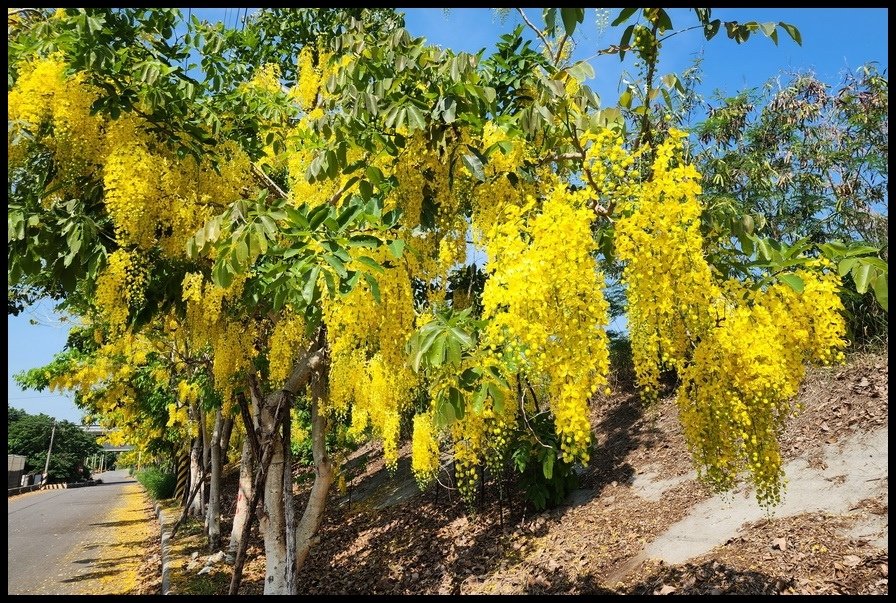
214 489
243 496
226 432
196 475
206 462
269 413
272 521
306 532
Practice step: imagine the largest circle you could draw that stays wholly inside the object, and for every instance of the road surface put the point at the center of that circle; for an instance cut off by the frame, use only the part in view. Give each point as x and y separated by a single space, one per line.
78 541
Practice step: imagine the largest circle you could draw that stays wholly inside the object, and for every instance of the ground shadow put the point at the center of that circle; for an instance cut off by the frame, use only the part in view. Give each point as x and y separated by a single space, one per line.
91 576
709 578
121 522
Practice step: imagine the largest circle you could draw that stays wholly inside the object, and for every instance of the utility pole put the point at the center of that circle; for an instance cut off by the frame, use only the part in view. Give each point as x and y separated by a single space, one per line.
49 450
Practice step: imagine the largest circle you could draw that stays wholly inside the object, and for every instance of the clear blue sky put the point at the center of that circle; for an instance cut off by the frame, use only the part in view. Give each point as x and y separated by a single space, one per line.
834 40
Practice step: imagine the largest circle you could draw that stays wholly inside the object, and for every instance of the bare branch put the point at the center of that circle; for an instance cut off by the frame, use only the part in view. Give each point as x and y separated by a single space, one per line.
269 184
531 25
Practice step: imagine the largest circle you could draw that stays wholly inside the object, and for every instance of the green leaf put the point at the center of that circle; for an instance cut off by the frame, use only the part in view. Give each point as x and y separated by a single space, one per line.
374 287
456 398
624 42
364 241
436 354
331 283
793 32
448 115
846 265
880 291
348 214
396 247
571 17
462 337
712 28
581 71
453 351
497 398
242 253
479 399
663 21
416 121
547 465
318 215
336 263
860 275
474 165
370 263
793 281
310 285
444 415
623 16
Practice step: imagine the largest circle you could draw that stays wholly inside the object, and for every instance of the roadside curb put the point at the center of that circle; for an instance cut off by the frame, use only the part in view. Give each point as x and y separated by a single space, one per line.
165 546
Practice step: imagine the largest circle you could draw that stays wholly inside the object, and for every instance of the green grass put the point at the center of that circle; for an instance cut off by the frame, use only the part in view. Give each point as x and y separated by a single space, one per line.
160 484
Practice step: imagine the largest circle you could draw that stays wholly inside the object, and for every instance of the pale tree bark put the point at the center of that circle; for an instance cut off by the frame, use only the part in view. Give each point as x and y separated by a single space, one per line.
306 531
271 472
226 432
206 462
214 489
272 520
195 504
243 496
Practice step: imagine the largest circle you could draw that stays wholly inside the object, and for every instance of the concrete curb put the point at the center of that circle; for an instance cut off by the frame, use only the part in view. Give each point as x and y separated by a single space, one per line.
166 550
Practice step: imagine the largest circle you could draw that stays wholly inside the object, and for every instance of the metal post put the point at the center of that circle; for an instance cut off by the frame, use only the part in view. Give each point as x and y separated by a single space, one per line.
49 450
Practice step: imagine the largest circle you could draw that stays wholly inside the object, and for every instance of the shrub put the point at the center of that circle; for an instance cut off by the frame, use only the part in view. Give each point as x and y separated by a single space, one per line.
160 484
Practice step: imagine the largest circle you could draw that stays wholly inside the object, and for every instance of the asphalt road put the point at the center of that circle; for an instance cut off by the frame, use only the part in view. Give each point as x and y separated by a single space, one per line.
54 535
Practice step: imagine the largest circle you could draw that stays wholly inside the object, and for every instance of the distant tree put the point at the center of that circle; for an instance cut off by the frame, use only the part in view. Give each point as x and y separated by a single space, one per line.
29 435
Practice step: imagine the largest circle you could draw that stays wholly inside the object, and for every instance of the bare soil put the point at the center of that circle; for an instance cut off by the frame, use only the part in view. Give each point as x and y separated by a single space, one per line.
383 537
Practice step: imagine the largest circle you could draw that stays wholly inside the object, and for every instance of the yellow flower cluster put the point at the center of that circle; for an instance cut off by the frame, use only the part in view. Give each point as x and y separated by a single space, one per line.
740 352
368 361
671 292
309 79
424 450
265 79
469 436
42 95
544 299
286 342
152 196
119 288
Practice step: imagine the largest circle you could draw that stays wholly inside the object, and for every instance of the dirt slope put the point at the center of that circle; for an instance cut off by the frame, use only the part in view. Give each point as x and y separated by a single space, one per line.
387 538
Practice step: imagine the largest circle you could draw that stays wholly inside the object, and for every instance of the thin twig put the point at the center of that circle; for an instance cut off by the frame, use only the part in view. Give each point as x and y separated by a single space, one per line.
533 28
270 184
560 48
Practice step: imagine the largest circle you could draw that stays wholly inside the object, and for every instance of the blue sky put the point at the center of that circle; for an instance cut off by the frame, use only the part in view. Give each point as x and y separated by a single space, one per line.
834 40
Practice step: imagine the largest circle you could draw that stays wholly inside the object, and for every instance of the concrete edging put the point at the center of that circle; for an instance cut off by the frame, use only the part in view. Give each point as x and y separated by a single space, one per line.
166 550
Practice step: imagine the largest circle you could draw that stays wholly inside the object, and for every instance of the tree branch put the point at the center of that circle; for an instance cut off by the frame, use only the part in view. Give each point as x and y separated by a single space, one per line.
535 29
269 184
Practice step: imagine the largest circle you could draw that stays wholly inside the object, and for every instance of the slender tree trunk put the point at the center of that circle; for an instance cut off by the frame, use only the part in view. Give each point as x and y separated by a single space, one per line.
196 475
272 521
289 505
243 496
226 432
306 532
269 414
206 462
214 489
